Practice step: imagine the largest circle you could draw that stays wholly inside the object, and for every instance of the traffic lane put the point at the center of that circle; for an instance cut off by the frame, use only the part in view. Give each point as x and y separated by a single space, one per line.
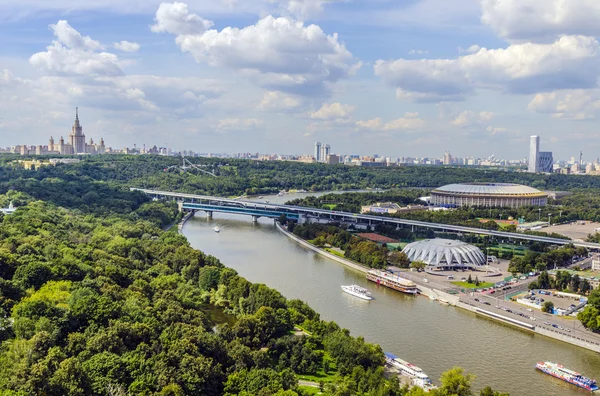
571 328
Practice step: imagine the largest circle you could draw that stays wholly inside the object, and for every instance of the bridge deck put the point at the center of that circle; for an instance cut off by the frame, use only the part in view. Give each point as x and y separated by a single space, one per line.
253 208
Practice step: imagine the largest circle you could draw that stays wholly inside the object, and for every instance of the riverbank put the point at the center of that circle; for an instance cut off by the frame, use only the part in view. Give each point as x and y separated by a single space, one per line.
344 261
455 300
183 221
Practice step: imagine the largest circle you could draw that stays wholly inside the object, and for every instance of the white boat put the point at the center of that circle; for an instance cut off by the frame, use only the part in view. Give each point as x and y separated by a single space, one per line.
443 302
217 229
416 374
280 194
261 197
357 291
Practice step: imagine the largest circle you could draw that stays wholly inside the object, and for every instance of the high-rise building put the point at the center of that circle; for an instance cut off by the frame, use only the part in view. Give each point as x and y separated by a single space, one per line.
447 158
545 162
77 138
534 150
318 151
325 151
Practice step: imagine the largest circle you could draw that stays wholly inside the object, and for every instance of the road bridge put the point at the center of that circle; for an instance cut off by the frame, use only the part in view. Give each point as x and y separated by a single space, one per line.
209 204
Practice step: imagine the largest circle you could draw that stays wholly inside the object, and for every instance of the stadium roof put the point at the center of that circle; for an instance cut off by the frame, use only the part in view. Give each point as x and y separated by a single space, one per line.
488 189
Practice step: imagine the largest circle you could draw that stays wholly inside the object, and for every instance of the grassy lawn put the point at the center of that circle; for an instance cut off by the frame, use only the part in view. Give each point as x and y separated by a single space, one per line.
472 285
333 251
309 390
320 375
329 206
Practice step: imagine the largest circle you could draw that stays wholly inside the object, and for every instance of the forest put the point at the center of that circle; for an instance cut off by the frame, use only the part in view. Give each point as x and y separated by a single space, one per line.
237 177
97 299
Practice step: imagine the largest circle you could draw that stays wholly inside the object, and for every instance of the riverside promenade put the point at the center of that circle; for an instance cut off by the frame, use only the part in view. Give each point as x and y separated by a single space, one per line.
498 310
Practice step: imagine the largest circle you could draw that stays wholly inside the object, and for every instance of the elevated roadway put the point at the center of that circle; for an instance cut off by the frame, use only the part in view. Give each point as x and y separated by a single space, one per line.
209 204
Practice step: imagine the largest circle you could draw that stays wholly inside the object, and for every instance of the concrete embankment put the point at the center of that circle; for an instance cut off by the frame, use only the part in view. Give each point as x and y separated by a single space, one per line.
341 260
183 221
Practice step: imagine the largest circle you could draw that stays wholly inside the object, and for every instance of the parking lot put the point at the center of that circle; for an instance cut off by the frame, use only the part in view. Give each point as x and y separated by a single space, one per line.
576 231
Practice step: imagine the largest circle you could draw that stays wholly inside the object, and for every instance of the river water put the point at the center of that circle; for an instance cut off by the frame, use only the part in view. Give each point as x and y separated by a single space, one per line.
430 335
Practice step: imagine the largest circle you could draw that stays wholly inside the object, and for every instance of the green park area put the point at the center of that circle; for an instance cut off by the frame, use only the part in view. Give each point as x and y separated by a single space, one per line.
474 285
326 373
335 252
329 206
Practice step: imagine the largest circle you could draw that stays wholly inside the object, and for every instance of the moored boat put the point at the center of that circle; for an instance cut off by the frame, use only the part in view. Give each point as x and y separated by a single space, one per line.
357 291
572 377
416 374
392 281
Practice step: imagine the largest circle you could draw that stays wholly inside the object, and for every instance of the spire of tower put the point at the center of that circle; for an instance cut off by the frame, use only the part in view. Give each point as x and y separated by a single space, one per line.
76 113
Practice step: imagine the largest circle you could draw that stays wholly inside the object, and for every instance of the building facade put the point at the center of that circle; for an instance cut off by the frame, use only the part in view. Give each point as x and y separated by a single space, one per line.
534 150
494 195
318 151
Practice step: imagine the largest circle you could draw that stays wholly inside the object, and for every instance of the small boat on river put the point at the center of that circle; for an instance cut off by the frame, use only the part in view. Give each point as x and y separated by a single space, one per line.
358 291
217 229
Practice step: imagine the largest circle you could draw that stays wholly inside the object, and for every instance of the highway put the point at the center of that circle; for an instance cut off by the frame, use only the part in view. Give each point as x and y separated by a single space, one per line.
223 203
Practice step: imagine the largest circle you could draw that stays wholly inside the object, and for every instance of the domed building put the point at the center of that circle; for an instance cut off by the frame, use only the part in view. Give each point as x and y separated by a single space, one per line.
489 195
445 254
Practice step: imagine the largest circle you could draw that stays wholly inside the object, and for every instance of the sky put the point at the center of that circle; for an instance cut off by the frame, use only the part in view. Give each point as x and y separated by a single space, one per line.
388 77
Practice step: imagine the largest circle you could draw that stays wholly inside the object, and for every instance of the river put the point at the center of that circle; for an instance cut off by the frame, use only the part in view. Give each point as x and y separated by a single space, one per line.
430 335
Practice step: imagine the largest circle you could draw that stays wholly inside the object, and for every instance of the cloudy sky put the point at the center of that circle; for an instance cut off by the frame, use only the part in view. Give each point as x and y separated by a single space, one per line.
393 77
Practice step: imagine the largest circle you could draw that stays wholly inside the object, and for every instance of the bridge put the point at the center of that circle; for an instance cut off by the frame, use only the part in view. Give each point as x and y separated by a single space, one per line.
208 204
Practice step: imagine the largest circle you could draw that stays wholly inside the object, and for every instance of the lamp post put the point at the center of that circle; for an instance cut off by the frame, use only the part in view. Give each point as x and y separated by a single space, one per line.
540 214
549 214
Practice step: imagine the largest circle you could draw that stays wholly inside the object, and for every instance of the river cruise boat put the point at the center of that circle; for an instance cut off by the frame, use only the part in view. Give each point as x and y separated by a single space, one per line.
357 291
406 369
217 229
558 371
392 281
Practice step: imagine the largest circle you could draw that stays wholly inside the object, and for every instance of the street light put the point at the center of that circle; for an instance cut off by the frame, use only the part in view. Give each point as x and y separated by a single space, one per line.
540 214
549 214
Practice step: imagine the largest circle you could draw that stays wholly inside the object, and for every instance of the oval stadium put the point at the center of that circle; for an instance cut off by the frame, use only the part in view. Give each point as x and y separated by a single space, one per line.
489 195
445 254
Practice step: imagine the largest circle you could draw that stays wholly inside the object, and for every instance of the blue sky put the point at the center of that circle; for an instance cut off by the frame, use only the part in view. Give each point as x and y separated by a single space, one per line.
396 78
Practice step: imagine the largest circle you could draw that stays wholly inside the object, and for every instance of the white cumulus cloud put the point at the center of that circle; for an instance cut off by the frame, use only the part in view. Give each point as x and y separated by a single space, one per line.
280 54
468 118
410 121
175 18
331 111
569 62
236 124
541 20
73 54
568 104
127 46
279 101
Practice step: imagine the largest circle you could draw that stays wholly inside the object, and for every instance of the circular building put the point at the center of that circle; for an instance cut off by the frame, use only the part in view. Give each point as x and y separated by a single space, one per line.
445 254
489 195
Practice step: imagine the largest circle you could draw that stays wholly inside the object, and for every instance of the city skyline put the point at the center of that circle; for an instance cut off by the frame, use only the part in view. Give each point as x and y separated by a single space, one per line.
166 75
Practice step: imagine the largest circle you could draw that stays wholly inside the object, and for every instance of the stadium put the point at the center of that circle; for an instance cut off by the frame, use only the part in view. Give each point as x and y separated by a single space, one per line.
445 254
489 195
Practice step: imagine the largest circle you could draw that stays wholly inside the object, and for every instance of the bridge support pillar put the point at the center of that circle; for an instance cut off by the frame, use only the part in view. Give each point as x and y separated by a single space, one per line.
255 218
209 214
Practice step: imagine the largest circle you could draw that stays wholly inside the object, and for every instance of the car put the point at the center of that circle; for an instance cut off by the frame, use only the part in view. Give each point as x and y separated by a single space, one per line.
477 299
486 303
554 325
509 310
567 330
547 323
492 291
463 279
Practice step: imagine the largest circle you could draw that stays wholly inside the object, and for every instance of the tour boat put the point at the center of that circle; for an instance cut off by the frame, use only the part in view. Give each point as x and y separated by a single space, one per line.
443 302
416 374
392 281
357 291
558 371
217 229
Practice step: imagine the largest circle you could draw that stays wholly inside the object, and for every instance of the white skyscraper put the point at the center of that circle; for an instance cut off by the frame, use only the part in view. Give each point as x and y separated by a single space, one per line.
318 151
534 152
